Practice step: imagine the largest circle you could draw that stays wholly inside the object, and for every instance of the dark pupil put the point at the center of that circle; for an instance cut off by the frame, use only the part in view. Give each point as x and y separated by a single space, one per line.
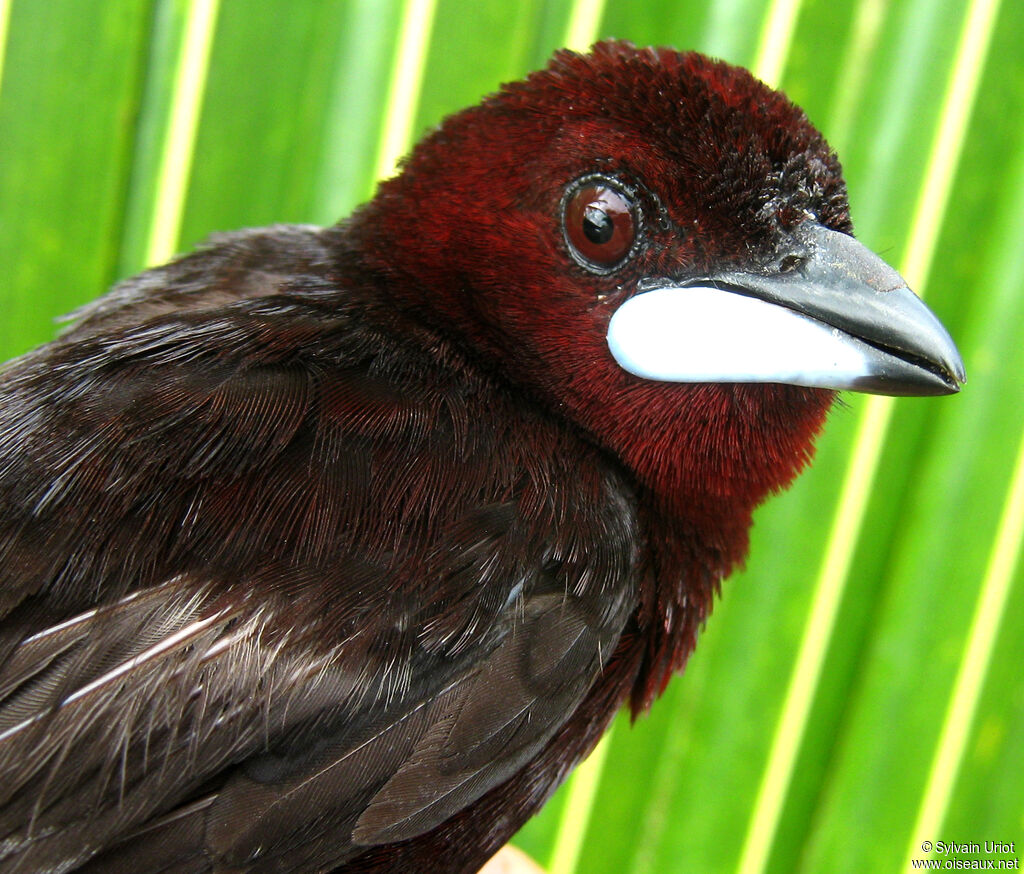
597 225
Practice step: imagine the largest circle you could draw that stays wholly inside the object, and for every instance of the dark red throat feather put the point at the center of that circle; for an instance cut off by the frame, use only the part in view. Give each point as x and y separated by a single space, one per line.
337 549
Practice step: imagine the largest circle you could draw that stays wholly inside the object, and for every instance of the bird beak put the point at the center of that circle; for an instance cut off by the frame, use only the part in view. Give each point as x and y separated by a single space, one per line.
827 313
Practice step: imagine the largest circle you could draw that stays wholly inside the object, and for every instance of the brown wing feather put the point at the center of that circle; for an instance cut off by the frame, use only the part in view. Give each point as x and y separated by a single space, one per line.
275 586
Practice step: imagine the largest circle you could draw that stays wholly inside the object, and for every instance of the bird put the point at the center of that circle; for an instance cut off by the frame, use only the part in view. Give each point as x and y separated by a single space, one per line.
336 549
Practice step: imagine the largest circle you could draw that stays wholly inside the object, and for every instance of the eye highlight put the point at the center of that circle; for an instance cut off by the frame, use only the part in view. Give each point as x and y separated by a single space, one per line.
600 222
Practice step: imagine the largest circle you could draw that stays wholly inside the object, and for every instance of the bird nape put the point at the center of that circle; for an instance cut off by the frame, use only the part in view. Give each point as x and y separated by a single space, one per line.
336 549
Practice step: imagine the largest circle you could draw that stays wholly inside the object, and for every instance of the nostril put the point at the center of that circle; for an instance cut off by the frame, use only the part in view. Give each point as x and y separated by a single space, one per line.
791 262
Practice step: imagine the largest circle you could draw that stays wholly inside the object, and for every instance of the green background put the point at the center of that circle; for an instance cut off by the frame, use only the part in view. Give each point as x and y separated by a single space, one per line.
859 689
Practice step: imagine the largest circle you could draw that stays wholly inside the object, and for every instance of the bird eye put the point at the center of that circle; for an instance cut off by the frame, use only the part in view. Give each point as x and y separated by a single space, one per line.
600 223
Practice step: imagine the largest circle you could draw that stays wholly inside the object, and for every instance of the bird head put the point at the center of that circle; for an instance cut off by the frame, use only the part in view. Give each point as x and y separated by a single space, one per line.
658 246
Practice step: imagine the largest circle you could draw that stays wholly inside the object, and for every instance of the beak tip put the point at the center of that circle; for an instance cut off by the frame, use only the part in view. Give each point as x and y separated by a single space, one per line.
954 379
952 374
956 374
